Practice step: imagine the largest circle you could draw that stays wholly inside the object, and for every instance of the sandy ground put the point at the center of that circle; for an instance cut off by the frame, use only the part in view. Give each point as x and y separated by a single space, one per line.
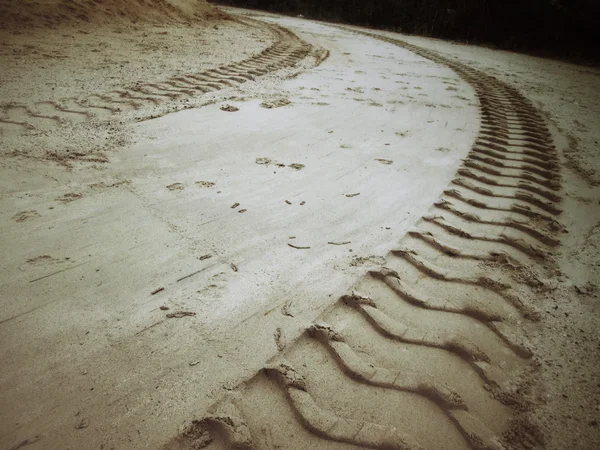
77 61
19 14
569 97
153 261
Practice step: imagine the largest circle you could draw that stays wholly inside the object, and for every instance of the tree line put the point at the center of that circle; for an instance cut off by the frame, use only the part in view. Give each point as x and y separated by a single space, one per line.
566 28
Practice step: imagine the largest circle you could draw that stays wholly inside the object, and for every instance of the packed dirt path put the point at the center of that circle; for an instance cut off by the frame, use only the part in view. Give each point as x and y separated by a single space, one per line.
315 237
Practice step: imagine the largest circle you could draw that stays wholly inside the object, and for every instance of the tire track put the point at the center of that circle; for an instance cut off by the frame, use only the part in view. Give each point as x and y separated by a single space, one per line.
330 426
478 435
462 285
286 51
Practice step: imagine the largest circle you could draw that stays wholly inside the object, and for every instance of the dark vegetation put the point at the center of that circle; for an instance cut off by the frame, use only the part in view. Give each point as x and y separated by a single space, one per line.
563 28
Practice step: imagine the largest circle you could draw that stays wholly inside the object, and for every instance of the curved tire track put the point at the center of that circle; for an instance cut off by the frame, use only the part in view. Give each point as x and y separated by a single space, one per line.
286 51
505 250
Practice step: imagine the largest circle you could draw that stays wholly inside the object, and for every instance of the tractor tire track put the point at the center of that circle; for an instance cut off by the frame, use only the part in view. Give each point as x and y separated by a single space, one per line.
286 51
463 286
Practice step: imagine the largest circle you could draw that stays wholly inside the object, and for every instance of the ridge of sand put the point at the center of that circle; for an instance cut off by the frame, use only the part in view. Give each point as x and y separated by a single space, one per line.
52 13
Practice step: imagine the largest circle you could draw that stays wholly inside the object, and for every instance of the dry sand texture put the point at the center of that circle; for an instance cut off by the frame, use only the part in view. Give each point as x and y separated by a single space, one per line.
292 236
19 14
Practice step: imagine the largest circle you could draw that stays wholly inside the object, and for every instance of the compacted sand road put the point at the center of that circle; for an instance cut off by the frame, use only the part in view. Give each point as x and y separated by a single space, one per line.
343 239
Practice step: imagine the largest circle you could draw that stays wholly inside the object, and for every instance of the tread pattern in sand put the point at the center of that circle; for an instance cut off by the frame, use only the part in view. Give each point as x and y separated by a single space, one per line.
439 331
285 52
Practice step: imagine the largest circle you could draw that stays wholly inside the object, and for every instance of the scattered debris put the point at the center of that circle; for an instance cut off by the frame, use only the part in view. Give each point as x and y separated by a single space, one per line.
195 363
206 184
190 275
175 187
384 161
42 259
292 237
266 313
106 185
156 291
203 257
70 197
242 210
180 314
164 308
352 195
288 202
267 161
235 205
297 166
302 203
25 215
229 108
233 267
285 309
279 339
298 247
340 243
345 146
264 161
275 103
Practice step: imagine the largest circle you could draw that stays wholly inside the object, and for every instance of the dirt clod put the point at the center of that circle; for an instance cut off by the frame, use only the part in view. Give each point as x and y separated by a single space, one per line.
229 108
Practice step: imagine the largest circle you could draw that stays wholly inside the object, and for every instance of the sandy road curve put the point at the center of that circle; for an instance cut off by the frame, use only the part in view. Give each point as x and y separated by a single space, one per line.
431 347
434 185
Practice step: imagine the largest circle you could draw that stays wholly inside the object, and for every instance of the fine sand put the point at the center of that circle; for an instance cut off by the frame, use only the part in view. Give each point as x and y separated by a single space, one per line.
241 230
